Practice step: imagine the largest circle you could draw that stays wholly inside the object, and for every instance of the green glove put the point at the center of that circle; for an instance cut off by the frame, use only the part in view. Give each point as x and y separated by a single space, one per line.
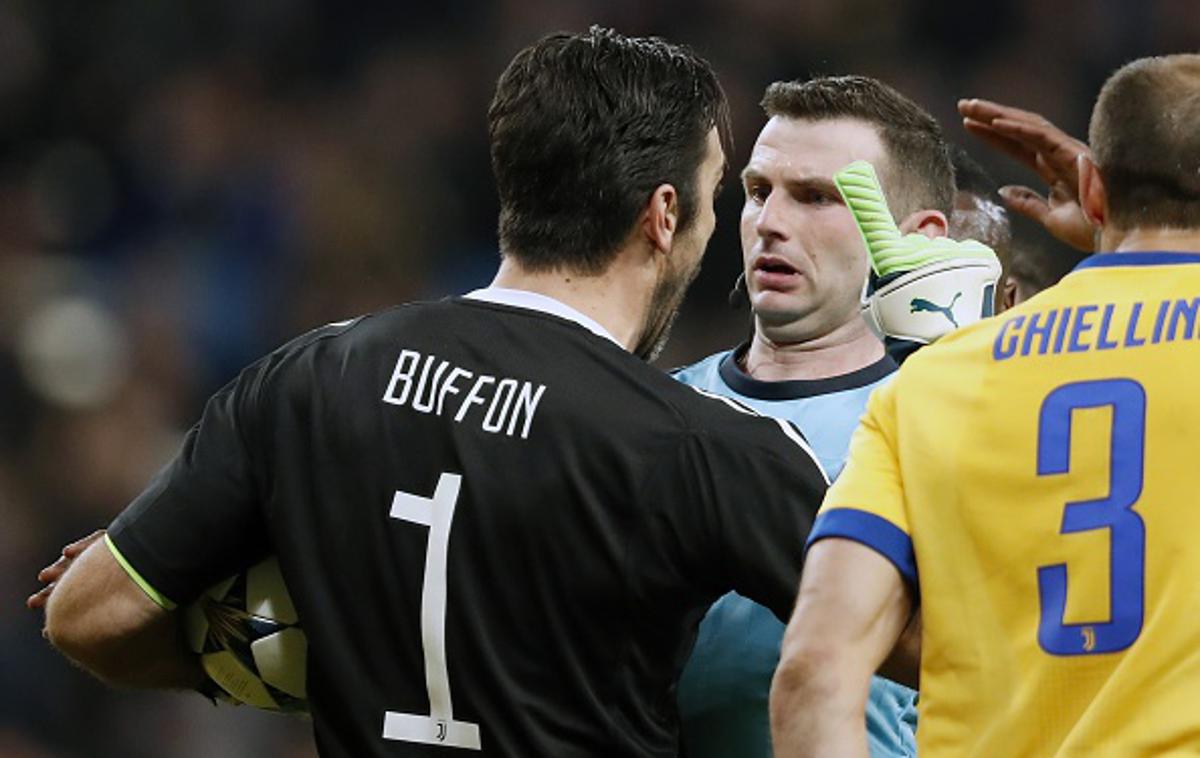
927 287
889 250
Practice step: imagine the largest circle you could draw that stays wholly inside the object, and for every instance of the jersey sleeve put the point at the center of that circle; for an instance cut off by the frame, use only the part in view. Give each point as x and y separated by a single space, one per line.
758 487
866 503
200 518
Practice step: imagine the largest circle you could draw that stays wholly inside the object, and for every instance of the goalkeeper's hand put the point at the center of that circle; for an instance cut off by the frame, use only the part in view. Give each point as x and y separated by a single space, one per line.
922 287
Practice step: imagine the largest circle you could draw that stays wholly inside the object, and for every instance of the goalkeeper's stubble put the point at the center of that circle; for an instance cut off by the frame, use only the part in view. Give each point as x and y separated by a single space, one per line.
665 302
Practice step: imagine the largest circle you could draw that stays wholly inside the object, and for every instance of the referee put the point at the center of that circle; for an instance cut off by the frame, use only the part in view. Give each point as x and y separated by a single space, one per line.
499 525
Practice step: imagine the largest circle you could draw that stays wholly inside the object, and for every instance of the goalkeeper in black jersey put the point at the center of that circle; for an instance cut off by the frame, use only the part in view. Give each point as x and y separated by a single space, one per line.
499 525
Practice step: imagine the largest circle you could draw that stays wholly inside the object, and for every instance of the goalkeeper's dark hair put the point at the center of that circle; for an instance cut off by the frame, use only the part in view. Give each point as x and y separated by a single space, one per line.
1146 143
918 175
583 128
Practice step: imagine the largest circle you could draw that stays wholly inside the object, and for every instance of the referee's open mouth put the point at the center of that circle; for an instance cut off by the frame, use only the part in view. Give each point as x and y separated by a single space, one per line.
774 272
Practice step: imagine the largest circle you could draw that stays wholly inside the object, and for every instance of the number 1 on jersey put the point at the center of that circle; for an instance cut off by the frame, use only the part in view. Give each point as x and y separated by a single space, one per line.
1127 532
439 727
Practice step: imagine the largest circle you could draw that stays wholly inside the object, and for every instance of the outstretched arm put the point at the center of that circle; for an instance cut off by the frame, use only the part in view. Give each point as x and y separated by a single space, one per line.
1048 151
853 606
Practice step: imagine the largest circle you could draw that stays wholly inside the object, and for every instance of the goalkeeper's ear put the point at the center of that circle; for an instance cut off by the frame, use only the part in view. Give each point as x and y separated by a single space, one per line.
930 223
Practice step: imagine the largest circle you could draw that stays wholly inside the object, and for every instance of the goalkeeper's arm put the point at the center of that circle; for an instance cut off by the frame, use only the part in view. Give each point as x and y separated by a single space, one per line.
100 618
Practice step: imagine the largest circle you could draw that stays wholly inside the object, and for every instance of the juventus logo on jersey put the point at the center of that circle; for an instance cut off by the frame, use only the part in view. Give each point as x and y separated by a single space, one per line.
1089 639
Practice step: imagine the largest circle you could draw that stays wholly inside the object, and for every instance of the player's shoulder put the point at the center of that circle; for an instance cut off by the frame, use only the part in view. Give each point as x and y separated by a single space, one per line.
736 430
689 392
383 324
329 344
711 412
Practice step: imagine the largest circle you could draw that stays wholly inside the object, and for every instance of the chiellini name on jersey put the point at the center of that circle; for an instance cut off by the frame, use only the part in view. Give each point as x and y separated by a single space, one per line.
1100 326
427 384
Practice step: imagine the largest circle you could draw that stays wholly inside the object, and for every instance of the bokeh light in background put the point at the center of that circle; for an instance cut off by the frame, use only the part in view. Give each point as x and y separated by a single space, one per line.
185 185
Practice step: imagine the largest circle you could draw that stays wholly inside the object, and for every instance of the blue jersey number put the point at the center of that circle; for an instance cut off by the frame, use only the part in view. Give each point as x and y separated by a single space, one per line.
1127 552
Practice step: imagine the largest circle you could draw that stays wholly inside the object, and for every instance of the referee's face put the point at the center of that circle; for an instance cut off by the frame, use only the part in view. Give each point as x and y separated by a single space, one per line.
804 259
683 263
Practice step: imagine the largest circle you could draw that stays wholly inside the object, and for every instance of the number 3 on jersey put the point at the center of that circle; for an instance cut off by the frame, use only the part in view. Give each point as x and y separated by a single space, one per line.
439 727
1127 532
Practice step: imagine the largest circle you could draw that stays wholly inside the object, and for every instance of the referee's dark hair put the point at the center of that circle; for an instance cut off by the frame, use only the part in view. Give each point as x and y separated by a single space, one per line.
583 128
917 174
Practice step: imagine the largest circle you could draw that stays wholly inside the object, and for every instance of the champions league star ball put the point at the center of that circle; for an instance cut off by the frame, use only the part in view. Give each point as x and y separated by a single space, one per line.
250 642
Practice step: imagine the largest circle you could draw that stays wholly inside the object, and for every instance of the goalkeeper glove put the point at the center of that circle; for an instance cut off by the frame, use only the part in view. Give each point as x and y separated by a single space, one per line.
922 288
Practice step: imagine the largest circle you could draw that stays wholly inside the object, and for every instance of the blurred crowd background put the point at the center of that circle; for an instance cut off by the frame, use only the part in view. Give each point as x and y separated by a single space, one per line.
184 185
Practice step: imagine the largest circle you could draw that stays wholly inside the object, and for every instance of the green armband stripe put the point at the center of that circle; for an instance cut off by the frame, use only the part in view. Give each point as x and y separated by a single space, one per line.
160 599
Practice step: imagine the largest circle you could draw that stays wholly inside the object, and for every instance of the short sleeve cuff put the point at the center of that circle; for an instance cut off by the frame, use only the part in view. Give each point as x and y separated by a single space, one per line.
875 532
159 599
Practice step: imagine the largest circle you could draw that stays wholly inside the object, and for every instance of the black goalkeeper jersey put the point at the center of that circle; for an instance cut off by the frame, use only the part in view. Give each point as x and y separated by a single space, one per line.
500 529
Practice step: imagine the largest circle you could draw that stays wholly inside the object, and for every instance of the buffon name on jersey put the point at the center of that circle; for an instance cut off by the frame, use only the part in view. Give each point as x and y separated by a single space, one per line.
427 384
1087 328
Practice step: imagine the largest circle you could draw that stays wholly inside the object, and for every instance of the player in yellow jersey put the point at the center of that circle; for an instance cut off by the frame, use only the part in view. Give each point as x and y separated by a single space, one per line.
1029 483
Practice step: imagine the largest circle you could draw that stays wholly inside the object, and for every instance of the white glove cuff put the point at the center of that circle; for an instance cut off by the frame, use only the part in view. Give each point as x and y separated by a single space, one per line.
925 303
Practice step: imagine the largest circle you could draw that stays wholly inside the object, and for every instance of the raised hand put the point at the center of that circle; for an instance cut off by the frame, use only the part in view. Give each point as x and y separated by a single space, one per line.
1047 150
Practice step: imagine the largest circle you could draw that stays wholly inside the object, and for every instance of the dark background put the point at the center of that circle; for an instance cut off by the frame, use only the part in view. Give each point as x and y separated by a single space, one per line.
184 185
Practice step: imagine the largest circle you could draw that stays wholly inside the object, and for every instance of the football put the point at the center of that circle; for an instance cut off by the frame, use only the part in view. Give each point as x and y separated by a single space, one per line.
250 641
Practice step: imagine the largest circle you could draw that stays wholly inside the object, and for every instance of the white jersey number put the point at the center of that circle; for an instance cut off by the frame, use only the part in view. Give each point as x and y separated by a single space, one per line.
439 727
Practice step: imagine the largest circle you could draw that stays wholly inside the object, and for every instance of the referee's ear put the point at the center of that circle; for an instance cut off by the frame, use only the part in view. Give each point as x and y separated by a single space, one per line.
931 223
660 220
